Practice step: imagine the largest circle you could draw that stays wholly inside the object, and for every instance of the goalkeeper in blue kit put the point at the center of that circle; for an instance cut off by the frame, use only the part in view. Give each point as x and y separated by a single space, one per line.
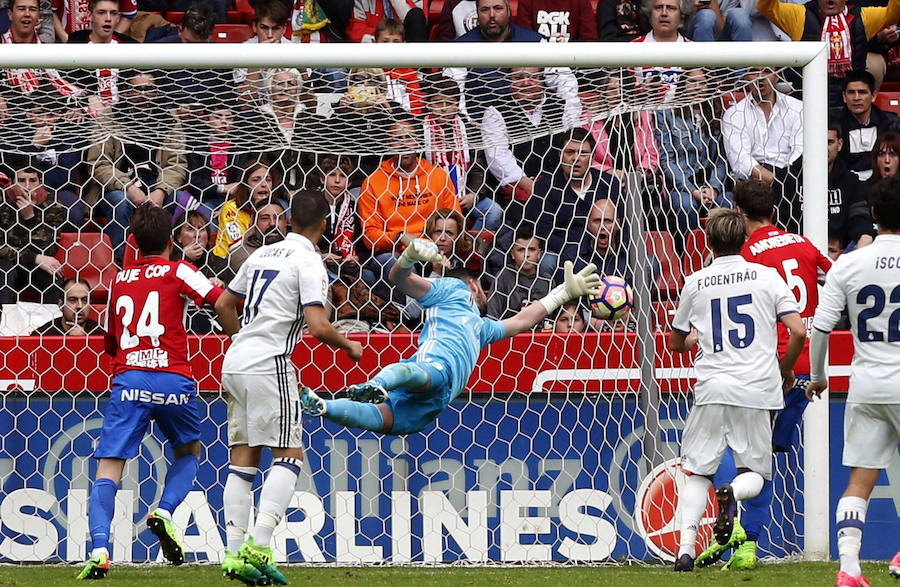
406 396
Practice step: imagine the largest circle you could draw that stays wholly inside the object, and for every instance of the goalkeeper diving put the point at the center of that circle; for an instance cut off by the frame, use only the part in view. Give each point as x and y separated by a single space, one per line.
406 396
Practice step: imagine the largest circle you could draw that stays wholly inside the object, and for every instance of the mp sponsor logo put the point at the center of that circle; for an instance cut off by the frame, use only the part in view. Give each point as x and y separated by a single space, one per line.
657 514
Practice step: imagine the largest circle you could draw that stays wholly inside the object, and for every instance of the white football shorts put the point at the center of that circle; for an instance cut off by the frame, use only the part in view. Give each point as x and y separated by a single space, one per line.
263 409
871 435
712 428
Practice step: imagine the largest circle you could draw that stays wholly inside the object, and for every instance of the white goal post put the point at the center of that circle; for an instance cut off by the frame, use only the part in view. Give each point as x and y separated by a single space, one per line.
811 57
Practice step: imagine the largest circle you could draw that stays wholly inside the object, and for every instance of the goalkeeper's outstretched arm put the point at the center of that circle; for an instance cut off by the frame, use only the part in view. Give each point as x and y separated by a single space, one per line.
585 282
418 251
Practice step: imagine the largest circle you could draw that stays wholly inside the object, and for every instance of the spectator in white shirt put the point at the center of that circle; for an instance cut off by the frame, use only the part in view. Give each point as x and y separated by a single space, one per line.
762 132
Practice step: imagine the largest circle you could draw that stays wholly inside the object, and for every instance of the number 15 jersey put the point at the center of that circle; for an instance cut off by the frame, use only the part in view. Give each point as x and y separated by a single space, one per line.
734 306
276 281
145 317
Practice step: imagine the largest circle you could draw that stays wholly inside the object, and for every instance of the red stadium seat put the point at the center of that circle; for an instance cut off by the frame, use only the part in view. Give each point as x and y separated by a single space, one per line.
236 17
88 255
661 245
243 6
175 17
696 251
433 12
888 101
232 33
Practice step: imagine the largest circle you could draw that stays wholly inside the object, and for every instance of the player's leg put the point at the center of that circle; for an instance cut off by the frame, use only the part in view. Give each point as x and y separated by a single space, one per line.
179 421
277 491
237 502
273 420
346 412
871 434
408 375
101 508
124 425
726 472
237 498
702 446
749 435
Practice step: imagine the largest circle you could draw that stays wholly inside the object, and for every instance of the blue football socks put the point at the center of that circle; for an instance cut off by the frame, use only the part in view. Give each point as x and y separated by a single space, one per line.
354 414
102 506
179 481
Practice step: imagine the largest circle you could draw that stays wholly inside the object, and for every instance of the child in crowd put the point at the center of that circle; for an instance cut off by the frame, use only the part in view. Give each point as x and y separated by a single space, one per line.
214 169
402 82
519 283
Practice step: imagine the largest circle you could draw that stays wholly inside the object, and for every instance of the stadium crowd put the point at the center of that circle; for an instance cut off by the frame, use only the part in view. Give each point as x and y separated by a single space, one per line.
511 211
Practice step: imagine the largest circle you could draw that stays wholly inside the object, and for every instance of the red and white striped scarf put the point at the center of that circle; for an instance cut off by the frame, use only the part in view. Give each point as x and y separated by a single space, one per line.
342 227
450 157
28 80
836 32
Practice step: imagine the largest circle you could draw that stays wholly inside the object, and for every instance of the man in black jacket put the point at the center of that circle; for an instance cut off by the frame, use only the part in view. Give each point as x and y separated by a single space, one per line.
862 122
848 210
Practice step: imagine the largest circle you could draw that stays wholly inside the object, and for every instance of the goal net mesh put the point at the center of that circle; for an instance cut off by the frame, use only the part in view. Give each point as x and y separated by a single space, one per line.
558 449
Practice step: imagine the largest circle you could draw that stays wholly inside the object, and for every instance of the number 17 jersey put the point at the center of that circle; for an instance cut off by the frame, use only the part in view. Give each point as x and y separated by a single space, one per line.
734 306
276 281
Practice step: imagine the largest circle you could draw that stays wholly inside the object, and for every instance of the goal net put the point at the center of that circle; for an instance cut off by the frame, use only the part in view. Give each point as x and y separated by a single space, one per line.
564 444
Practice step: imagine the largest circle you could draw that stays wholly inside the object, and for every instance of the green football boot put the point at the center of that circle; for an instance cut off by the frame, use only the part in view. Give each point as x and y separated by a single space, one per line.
234 567
96 567
714 551
743 558
164 530
261 558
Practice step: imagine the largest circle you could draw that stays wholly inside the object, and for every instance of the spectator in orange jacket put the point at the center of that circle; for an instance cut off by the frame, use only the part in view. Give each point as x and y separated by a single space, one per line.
397 199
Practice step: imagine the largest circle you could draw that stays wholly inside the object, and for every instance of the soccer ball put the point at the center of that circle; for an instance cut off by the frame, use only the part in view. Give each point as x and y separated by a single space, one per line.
615 299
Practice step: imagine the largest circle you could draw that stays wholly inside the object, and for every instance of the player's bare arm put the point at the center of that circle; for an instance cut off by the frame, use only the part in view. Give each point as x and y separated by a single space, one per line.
226 308
795 346
680 342
418 251
585 282
321 328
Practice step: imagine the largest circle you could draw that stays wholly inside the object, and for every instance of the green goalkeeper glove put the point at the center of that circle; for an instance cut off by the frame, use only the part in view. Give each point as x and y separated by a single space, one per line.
585 282
419 251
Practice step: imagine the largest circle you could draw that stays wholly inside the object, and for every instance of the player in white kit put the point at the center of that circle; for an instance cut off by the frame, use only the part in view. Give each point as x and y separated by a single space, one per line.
283 286
867 282
731 309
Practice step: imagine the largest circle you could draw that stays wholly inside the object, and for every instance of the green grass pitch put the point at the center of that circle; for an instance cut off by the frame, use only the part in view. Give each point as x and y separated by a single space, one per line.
449 576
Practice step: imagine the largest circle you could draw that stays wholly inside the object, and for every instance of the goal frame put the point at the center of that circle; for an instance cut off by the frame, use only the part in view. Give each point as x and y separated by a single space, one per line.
810 56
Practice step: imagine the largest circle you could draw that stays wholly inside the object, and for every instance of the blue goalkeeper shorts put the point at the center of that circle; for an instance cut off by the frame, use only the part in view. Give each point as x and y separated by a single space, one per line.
784 430
414 411
136 398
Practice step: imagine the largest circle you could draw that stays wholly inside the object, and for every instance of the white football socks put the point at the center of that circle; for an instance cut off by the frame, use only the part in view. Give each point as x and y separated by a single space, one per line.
277 491
850 517
692 503
237 501
747 485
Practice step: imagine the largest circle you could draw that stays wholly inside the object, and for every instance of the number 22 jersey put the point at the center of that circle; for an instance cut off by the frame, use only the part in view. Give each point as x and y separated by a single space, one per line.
868 282
734 306
145 317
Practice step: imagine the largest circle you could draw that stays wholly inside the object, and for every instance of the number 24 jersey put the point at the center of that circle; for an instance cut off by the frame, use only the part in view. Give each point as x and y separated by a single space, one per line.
145 317
734 305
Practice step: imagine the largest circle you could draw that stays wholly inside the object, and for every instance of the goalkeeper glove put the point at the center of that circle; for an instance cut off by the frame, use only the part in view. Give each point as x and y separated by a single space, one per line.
575 285
419 251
